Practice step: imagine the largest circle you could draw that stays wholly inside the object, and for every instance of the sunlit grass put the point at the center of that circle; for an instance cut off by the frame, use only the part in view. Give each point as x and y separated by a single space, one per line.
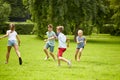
100 60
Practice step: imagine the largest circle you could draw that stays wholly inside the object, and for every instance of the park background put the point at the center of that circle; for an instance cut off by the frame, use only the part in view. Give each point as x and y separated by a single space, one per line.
99 19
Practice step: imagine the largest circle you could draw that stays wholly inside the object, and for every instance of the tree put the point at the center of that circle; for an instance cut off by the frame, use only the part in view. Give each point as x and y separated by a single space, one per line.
80 14
115 5
4 13
18 10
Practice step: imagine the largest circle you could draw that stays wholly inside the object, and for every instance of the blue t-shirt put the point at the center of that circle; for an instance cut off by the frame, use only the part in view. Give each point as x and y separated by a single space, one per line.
81 40
51 34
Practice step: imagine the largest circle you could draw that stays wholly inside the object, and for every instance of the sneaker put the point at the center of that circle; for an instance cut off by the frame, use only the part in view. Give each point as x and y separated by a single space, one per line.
46 58
20 61
69 63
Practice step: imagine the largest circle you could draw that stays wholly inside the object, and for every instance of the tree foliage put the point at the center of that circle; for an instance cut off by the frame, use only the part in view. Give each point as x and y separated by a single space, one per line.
72 14
115 5
4 11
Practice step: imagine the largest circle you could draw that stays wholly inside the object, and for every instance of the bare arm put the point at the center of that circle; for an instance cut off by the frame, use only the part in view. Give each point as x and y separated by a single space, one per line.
18 39
85 41
4 36
68 41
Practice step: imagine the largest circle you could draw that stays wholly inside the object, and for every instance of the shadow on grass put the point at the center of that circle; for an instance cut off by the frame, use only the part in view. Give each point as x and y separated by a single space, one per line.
97 41
103 41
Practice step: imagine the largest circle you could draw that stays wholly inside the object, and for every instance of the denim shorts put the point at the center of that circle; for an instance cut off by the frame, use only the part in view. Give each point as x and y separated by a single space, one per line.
49 46
12 42
80 46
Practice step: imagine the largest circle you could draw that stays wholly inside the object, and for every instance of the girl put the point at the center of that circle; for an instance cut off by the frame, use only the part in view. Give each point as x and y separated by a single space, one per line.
12 35
81 42
62 45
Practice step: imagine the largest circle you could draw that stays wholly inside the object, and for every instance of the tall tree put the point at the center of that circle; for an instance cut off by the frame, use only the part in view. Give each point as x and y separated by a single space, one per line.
18 10
4 13
115 5
77 13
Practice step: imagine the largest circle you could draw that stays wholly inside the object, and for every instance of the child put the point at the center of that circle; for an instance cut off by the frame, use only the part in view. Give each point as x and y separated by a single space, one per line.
12 41
81 42
62 45
50 42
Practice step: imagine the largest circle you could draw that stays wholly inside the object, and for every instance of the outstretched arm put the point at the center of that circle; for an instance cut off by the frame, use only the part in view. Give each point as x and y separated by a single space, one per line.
18 39
4 36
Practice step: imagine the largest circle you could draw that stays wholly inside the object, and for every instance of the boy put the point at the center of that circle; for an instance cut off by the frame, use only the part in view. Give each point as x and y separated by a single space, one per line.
81 42
62 45
12 42
50 42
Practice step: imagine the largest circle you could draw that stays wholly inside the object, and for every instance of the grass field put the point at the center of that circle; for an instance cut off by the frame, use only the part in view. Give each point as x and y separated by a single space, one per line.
100 60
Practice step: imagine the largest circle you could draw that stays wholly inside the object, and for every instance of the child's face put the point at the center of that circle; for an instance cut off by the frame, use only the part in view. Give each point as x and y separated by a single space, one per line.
58 31
11 27
80 33
49 28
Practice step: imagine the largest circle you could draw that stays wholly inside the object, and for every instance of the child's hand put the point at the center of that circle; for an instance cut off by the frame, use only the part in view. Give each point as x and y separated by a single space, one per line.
45 40
0 38
67 45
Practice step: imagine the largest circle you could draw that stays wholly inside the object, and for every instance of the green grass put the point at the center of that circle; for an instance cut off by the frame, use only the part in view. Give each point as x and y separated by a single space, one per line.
100 60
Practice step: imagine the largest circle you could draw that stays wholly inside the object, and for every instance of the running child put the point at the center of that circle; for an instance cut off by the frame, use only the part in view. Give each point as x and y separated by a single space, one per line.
50 42
12 42
81 42
62 46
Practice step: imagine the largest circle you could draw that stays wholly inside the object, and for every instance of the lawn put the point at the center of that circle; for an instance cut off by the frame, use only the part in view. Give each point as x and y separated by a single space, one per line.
100 60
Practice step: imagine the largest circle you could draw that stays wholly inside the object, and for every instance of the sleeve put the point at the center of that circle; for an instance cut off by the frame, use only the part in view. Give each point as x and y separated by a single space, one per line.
16 33
54 34
7 32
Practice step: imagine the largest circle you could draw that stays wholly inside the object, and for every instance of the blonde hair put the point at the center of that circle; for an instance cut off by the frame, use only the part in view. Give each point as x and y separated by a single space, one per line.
80 31
61 28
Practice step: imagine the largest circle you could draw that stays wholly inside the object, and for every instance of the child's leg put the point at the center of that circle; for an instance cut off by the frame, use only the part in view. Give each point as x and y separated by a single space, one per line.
8 53
17 51
51 52
80 53
52 55
18 54
61 50
45 50
58 62
63 59
77 50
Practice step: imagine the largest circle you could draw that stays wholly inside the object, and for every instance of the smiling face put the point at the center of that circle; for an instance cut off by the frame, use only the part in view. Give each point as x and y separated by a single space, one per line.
80 33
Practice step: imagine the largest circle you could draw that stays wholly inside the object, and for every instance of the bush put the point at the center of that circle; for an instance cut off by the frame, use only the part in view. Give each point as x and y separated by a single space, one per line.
115 32
21 28
107 28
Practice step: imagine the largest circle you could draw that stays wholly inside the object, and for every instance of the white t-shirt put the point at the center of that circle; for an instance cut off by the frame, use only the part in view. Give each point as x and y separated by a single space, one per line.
62 40
11 36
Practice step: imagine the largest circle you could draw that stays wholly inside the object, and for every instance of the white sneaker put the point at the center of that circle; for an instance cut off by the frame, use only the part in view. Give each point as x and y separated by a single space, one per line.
69 63
46 58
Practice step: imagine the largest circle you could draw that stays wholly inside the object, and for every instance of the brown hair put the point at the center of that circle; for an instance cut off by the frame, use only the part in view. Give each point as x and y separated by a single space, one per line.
50 25
12 26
